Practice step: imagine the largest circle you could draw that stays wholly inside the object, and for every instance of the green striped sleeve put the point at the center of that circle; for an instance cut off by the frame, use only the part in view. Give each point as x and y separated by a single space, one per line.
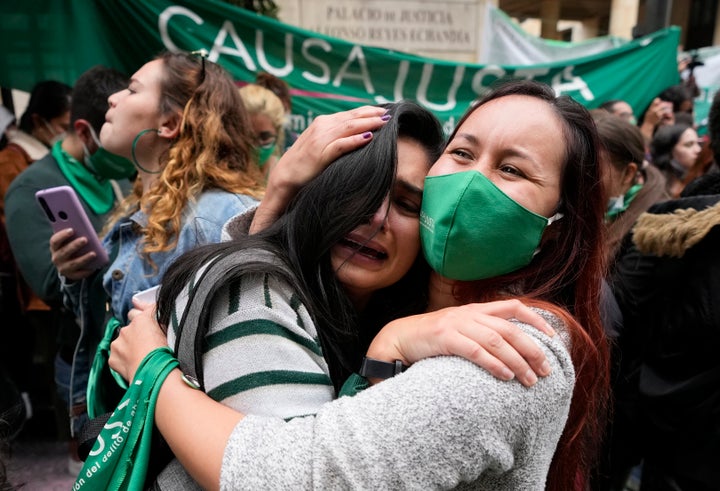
263 379
295 304
174 322
258 326
266 291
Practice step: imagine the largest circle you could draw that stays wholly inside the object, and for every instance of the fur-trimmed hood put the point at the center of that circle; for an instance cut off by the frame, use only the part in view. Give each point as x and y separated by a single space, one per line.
672 232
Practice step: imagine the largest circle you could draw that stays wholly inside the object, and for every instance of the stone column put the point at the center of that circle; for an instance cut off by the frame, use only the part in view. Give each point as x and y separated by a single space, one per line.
482 7
550 14
589 29
623 17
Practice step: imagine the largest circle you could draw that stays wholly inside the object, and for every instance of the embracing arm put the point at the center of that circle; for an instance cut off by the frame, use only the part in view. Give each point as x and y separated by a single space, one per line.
198 442
479 332
415 410
261 352
443 422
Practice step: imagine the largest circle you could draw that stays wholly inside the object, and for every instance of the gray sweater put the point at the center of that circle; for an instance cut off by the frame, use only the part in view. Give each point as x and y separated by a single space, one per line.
444 423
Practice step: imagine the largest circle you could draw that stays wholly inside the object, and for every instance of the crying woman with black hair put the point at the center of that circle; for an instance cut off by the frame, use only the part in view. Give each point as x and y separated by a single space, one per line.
282 344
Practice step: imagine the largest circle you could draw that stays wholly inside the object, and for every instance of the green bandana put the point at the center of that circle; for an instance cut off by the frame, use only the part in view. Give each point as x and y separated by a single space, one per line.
264 153
97 403
95 191
119 459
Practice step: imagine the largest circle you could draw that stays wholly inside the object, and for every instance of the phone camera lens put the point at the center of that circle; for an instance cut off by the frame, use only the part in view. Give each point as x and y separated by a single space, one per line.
62 215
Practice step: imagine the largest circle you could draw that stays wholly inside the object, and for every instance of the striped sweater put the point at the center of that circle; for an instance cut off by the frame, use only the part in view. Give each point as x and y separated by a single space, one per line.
262 354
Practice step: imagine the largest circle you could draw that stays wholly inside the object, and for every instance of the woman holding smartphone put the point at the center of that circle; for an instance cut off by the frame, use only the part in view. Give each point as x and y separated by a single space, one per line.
182 123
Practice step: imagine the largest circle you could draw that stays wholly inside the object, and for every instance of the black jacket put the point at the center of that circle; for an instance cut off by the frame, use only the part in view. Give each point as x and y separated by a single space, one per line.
668 288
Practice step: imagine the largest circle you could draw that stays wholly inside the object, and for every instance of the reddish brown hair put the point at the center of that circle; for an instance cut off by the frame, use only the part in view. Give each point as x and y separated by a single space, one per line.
213 149
567 272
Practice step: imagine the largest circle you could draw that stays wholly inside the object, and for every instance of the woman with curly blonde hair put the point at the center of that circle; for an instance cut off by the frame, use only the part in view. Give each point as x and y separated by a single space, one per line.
183 124
267 116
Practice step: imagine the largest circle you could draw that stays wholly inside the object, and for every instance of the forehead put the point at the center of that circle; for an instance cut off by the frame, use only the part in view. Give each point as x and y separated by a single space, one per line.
688 134
413 162
150 73
261 122
513 112
622 107
63 119
517 124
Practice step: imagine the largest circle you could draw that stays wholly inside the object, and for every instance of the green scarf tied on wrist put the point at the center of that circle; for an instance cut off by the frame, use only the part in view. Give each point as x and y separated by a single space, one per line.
119 459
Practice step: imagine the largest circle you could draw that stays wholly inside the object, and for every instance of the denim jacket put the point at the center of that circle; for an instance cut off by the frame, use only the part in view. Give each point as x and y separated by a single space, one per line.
130 272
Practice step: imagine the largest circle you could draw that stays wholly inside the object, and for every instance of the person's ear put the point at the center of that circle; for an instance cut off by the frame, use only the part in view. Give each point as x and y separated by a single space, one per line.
631 171
170 127
37 122
81 127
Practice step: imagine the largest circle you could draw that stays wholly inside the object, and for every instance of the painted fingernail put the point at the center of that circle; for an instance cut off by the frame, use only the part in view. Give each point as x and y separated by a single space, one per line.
367 135
530 378
386 117
545 368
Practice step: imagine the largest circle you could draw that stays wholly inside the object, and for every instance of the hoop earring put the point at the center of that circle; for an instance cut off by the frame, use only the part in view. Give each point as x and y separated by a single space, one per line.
134 157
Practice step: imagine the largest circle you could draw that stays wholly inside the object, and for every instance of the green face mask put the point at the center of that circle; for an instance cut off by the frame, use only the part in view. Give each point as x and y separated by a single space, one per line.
471 230
264 154
106 164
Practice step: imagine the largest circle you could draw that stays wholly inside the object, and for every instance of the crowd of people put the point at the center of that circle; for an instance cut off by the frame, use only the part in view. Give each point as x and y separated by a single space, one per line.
523 304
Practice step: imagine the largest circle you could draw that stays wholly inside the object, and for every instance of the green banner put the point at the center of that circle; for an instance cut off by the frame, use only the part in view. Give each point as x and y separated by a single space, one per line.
62 38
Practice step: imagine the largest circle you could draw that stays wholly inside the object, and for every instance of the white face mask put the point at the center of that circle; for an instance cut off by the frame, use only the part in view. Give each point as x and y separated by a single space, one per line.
57 137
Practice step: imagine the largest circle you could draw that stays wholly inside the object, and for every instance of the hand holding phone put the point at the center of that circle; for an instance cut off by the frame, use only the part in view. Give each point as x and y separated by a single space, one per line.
63 209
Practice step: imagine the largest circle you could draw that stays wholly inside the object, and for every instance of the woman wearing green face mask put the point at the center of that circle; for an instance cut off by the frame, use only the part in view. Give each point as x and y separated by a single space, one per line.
267 116
444 422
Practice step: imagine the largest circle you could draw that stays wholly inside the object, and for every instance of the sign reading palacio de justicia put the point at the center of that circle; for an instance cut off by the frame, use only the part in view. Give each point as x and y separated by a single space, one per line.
414 26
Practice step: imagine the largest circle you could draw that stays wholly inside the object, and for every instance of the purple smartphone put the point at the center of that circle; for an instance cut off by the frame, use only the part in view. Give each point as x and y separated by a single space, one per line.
62 207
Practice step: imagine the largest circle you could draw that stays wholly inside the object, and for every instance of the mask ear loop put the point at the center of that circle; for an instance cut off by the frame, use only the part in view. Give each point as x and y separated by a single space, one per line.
134 157
557 216
94 136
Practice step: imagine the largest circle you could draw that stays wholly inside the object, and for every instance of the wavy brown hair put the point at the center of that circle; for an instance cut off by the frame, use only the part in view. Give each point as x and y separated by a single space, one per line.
213 149
568 273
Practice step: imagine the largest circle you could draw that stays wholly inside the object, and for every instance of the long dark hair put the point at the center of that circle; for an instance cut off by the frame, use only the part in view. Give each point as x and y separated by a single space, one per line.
622 141
344 196
663 142
567 272
48 99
